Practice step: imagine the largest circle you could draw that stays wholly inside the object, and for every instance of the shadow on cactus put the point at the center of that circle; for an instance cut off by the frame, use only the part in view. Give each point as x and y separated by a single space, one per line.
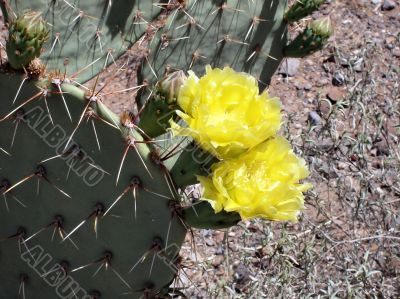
93 205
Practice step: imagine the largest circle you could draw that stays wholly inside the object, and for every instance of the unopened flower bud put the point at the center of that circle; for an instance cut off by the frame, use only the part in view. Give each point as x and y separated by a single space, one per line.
322 27
171 85
27 35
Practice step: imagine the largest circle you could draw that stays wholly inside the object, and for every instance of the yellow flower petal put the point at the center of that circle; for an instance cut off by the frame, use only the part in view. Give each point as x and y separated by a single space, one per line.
225 113
263 182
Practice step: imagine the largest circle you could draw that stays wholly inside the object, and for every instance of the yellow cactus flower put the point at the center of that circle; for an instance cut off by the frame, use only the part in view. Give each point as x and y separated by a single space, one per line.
225 113
263 182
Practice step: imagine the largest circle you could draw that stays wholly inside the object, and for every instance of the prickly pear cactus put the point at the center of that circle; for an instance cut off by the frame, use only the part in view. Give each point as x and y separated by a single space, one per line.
85 36
90 207
85 211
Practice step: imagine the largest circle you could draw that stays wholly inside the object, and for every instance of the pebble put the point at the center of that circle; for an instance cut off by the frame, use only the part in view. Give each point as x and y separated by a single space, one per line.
338 79
307 86
335 94
303 84
390 42
396 52
388 5
327 67
322 82
344 62
289 67
324 108
218 260
210 242
314 119
342 165
242 273
382 148
358 65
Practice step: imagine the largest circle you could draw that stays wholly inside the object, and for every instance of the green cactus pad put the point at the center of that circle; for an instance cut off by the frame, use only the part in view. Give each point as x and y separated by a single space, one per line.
86 36
38 254
245 35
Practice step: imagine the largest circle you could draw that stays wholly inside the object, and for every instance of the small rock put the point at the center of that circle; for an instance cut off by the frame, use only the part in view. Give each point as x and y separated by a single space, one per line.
388 5
382 148
302 84
219 237
289 67
307 86
308 62
218 260
358 65
327 67
344 62
328 171
242 274
377 40
342 165
314 119
335 94
298 85
396 52
376 1
210 242
338 79
324 108
322 82
390 42
300 93
220 250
